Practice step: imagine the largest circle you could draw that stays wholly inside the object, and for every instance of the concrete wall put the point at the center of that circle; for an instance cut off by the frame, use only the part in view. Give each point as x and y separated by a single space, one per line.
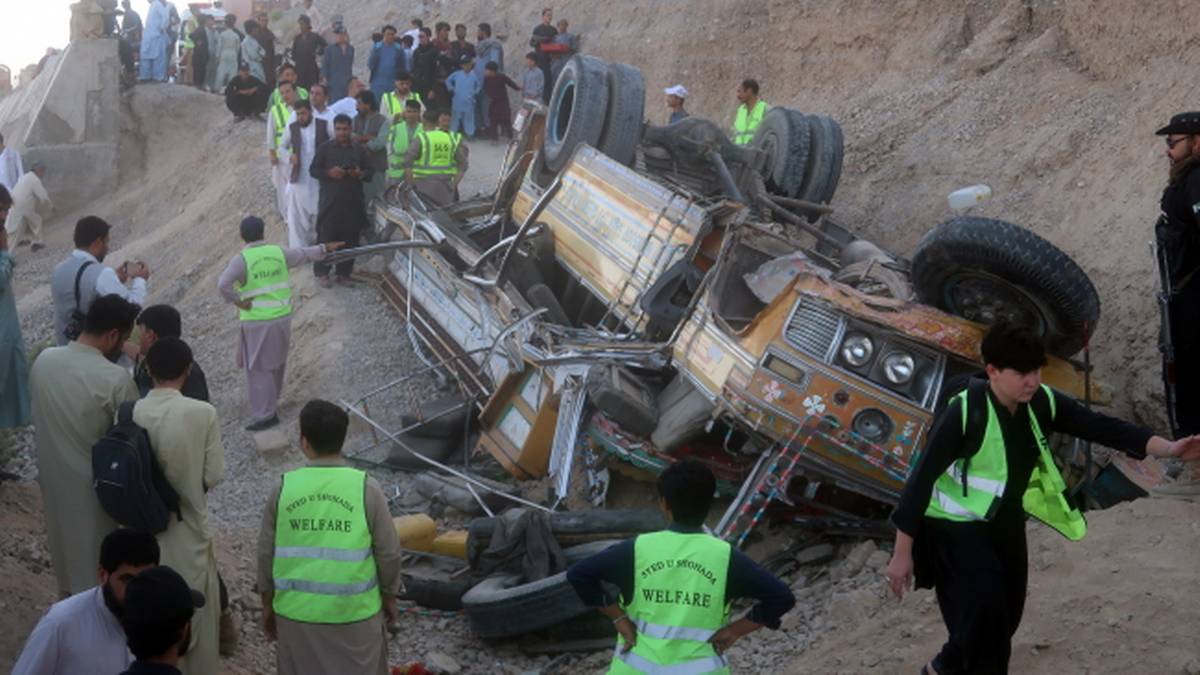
69 118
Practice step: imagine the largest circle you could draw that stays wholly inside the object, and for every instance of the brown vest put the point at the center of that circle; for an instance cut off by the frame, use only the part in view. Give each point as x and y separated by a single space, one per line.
322 135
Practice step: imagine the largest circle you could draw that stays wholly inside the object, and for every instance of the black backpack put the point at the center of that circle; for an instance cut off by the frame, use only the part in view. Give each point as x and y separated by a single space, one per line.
74 325
976 386
129 483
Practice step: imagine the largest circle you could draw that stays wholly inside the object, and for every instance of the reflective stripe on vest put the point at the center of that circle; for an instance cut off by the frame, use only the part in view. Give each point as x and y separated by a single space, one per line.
279 110
745 124
395 105
324 569
987 476
267 286
678 604
437 154
397 148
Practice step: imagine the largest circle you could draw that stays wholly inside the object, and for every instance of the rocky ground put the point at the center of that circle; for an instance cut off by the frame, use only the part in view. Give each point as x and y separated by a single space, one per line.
1044 100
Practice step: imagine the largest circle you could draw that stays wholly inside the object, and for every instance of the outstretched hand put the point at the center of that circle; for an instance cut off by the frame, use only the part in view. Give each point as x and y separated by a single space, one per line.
1186 448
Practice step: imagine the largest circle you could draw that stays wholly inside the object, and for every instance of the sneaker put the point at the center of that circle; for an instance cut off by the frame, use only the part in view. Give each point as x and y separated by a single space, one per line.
346 281
37 247
325 282
263 424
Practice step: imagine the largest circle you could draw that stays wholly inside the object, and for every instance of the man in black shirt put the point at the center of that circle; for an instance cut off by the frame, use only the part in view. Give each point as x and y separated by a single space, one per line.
960 524
342 167
245 95
157 618
1178 239
161 321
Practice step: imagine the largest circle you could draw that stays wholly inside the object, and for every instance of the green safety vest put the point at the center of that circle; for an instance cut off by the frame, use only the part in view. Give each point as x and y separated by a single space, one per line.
281 112
266 286
976 496
395 105
747 121
276 98
397 148
678 604
324 569
437 154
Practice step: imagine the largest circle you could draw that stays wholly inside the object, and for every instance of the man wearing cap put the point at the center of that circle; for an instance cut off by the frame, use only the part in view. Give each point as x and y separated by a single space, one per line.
1178 238
157 620
256 281
675 99
328 558
337 65
29 196
82 634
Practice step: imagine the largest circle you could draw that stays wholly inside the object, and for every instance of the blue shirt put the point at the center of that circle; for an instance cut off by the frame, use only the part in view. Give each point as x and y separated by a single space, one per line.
385 61
745 579
464 87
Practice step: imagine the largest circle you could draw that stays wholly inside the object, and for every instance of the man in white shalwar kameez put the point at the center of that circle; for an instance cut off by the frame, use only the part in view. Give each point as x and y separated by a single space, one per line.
11 168
153 54
277 120
303 190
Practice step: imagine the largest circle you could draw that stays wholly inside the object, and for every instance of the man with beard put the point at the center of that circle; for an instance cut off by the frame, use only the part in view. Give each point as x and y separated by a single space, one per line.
158 616
1178 235
200 51
82 634
307 47
305 134
75 391
81 278
370 131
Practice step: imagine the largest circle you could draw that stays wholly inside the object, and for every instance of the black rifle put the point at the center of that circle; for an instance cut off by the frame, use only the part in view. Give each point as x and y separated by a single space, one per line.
1166 345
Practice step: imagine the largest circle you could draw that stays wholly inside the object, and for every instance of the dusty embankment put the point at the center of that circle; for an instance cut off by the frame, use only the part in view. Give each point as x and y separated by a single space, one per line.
1053 104
1124 600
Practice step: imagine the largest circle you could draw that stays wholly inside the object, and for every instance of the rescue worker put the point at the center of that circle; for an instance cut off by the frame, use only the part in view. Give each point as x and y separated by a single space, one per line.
278 114
1178 239
257 282
400 137
960 524
328 558
435 162
750 112
677 585
392 105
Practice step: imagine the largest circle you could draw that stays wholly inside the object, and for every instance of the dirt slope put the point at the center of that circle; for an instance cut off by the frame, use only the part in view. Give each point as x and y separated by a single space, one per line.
1124 600
1053 104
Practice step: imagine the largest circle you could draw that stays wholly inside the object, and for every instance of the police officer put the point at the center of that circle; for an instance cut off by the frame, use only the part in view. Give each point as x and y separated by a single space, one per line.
750 112
676 585
960 524
329 559
1178 240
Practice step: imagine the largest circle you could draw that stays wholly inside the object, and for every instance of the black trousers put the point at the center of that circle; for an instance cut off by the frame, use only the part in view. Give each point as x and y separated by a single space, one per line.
348 233
1185 333
981 572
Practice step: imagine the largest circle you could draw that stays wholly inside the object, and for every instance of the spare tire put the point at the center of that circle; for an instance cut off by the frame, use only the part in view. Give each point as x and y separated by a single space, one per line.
784 137
626 110
825 161
437 449
987 270
501 606
578 107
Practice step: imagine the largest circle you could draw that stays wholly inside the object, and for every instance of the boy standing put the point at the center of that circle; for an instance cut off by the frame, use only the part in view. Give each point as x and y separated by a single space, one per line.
464 87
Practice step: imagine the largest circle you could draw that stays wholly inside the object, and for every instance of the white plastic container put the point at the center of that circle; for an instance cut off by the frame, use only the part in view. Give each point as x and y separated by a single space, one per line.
969 196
